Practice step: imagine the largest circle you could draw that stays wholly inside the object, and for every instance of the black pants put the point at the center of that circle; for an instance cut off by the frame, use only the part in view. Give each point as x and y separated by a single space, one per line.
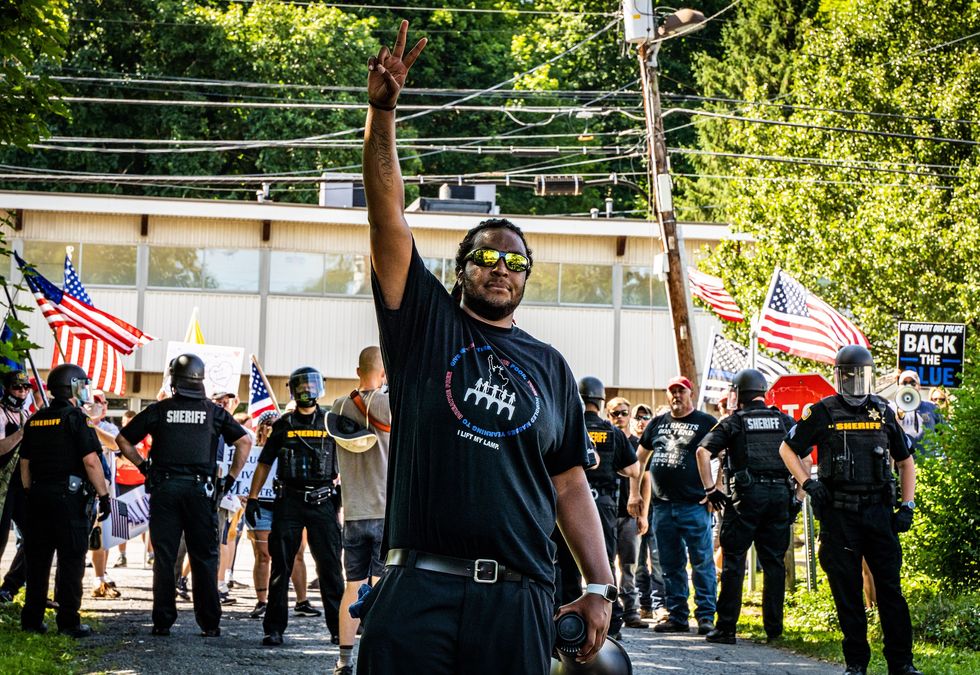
289 516
56 522
179 506
14 510
760 514
416 621
568 579
845 537
608 517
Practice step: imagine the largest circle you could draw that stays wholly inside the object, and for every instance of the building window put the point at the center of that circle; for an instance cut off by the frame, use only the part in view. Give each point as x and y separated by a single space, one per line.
442 269
641 288
173 267
108 265
96 264
586 284
296 273
346 274
231 270
48 258
542 285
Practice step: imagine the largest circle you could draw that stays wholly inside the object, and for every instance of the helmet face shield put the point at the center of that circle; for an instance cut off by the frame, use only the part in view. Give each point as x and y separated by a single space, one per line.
306 388
81 390
854 383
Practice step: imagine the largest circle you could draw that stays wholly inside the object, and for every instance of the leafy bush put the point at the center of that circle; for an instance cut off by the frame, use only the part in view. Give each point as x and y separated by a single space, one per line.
944 619
944 543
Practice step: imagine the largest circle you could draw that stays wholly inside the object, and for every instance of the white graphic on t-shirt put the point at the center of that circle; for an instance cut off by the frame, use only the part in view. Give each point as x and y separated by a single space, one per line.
493 391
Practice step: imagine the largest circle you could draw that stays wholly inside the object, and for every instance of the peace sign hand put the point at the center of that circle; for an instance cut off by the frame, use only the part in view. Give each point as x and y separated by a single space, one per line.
387 71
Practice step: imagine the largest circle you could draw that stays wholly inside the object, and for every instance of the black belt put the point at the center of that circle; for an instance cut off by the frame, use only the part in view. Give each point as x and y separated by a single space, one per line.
306 493
481 570
771 480
163 475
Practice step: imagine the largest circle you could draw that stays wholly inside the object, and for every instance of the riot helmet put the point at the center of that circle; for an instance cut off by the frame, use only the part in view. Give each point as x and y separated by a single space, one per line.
854 374
749 384
187 376
15 379
592 390
69 381
306 386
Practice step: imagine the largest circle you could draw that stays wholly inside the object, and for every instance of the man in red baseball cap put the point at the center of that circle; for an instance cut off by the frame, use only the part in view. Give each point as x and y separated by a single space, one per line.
680 517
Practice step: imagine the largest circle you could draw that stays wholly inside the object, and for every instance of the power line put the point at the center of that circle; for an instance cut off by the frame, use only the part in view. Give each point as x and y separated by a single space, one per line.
461 10
820 127
814 181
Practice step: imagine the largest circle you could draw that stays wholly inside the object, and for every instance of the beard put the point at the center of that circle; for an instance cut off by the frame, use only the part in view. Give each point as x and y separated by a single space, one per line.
491 310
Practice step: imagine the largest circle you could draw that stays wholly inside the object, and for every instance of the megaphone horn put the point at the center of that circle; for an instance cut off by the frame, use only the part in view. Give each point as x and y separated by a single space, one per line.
907 398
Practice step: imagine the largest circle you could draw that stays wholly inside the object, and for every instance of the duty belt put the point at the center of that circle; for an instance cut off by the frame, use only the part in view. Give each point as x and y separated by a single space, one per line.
481 570
771 480
855 502
311 495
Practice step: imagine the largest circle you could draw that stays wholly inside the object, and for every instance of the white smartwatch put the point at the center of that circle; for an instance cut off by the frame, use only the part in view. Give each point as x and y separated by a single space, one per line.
608 591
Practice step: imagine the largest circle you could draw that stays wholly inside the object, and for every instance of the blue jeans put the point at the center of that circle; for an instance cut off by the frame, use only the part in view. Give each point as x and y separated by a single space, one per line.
684 530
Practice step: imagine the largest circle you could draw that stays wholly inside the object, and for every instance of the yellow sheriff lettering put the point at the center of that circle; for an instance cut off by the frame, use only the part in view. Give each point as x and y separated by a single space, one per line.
857 426
45 423
305 433
599 437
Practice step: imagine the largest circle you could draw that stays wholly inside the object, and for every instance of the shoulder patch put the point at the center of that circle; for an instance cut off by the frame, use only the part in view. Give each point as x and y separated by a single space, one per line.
806 411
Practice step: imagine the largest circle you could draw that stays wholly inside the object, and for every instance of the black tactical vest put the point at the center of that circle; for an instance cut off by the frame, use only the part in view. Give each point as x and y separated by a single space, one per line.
757 448
856 453
184 435
308 453
604 478
52 447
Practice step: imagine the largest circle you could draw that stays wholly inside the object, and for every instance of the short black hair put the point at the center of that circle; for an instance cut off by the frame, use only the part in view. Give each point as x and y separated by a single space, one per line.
466 245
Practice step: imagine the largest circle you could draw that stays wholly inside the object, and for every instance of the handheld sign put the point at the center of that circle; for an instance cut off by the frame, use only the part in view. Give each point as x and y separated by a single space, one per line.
934 350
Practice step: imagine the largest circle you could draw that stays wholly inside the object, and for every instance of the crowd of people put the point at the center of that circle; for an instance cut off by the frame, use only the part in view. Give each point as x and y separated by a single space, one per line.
503 493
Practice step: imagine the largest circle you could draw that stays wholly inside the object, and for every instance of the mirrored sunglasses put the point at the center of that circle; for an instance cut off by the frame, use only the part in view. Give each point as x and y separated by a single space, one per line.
488 257
619 413
19 387
643 418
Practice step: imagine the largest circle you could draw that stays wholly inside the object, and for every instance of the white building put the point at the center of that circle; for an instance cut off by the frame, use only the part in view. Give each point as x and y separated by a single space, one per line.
291 283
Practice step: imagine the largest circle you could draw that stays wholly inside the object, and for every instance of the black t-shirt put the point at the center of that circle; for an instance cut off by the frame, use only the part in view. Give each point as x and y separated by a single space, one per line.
185 439
482 417
816 426
56 439
724 434
673 466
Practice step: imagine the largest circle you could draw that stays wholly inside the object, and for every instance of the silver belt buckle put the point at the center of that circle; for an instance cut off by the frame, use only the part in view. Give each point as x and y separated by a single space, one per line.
477 570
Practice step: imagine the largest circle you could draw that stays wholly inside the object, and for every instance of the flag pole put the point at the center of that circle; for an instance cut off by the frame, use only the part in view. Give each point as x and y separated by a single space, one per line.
707 367
265 381
753 340
12 309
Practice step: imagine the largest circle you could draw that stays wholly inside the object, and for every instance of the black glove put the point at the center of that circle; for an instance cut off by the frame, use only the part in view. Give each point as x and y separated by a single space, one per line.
902 520
819 495
717 498
252 509
227 483
105 508
144 467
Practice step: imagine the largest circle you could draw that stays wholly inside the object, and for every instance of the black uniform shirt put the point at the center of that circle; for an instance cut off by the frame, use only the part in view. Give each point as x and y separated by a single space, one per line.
673 466
612 443
726 432
183 443
282 427
56 440
482 418
816 426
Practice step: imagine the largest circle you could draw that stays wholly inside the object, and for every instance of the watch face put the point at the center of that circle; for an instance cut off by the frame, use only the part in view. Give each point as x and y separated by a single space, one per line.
612 592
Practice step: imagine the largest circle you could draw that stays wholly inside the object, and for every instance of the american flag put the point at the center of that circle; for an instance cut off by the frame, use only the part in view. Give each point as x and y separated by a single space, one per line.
119 520
725 358
63 309
711 291
260 400
97 358
797 322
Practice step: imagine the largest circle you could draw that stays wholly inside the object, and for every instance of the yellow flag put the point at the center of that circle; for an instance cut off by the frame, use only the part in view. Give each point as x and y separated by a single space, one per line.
194 334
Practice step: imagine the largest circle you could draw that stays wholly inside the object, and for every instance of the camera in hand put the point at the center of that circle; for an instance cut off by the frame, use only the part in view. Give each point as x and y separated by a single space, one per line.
570 636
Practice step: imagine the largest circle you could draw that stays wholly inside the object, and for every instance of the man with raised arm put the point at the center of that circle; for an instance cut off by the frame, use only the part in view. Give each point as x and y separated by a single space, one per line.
488 444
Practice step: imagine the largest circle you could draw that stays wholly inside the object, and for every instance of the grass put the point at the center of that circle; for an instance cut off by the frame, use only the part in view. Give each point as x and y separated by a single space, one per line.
810 628
22 652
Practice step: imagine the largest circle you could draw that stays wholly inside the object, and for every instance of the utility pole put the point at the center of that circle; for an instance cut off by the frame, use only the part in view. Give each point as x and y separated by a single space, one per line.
660 191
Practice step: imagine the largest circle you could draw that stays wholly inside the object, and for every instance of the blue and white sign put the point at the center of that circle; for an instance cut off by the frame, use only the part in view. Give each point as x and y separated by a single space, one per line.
934 350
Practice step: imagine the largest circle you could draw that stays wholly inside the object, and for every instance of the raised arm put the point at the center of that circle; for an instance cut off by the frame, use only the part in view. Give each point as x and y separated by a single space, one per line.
391 240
